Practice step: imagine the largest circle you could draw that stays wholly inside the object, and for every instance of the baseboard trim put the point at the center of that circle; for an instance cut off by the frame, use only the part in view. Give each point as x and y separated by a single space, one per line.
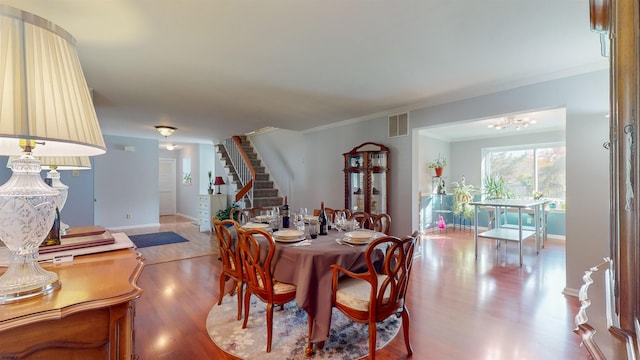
132 226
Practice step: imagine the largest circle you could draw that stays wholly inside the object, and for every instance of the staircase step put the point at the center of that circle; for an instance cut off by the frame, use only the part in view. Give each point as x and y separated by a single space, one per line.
263 184
268 201
261 193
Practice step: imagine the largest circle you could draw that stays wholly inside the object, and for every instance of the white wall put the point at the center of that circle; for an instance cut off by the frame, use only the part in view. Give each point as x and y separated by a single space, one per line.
126 182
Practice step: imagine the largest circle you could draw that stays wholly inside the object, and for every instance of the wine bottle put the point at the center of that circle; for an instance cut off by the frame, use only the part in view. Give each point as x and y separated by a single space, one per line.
322 220
53 238
285 214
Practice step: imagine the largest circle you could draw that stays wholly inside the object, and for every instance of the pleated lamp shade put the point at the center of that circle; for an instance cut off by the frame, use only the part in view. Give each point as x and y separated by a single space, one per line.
43 92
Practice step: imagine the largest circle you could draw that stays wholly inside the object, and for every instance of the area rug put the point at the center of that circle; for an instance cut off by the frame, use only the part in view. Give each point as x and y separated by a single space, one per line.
155 239
348 339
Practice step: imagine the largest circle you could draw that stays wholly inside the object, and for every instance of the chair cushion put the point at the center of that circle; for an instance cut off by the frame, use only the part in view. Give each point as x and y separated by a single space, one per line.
283 288
354 293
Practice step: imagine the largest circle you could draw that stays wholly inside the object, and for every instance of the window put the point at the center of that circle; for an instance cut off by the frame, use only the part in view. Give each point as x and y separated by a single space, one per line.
529 168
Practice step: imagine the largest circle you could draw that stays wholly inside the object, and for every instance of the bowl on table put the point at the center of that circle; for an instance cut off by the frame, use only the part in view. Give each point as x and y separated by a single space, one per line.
288 235
359 237
252 225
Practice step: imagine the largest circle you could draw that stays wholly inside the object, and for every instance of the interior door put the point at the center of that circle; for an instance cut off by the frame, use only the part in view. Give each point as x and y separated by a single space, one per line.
167 186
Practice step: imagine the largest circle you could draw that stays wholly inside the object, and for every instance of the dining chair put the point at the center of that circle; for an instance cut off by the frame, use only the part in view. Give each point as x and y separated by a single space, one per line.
375 295
258 278
241 216
364 219
230 256
256 211
382 223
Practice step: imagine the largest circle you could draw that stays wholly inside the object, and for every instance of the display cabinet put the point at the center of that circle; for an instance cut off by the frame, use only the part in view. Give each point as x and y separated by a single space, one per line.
366 178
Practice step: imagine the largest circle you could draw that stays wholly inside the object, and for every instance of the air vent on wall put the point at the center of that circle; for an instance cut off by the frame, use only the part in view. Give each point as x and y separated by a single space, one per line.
399 125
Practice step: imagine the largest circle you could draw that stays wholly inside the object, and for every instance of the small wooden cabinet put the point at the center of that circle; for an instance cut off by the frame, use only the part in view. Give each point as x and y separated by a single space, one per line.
90 317
366 178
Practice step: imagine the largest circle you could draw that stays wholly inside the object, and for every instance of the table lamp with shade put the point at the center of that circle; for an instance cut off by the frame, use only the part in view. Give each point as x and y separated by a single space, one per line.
217 182
45 110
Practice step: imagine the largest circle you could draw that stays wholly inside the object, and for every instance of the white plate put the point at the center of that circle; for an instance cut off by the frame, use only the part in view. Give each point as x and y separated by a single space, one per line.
262 218
348 240
299 238
359 237
255 226
288 234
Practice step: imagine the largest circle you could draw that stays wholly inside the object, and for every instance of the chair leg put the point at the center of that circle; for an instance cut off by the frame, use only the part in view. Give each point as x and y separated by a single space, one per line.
405 329
269 325
239 291
223 279
247 299
372 339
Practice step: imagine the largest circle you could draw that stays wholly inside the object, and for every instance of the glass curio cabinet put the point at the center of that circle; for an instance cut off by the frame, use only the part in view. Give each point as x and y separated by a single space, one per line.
366 178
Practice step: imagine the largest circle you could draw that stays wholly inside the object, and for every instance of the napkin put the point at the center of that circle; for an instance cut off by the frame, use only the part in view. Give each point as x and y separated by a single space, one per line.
303 243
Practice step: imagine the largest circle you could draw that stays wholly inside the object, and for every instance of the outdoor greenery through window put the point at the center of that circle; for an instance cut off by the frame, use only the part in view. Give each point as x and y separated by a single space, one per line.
530 168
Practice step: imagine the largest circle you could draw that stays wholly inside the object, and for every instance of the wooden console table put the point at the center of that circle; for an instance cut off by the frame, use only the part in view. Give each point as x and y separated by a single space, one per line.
90 317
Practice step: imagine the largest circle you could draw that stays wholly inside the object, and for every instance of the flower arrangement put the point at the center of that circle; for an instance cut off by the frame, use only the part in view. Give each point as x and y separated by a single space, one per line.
440 163
537 195
210 182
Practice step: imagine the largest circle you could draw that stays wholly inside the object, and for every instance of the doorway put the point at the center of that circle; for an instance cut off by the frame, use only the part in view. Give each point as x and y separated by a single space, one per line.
167 186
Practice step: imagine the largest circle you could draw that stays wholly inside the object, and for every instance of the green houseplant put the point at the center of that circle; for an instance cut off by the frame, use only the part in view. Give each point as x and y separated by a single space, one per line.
223 214
438 165
463 194
496 188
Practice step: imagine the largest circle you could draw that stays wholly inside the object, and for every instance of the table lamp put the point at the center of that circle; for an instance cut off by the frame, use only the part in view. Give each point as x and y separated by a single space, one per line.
53 164
217 182
45 110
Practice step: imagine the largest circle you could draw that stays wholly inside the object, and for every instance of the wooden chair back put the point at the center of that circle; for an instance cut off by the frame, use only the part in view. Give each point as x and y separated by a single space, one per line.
363 218
382 223
387 286
230 257
240 216
257 275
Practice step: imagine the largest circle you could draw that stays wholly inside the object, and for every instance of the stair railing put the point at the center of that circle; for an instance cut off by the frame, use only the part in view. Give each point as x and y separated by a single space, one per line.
245 171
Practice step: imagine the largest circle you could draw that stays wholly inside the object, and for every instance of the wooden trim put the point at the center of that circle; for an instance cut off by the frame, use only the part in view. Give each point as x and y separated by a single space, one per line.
245 189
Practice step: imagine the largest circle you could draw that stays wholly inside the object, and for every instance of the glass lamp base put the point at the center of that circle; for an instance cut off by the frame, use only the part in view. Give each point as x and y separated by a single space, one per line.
25 278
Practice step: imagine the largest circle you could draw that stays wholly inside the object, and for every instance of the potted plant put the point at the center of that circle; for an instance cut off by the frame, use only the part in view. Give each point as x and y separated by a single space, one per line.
463 194
496 188
210 183
438 165
223 214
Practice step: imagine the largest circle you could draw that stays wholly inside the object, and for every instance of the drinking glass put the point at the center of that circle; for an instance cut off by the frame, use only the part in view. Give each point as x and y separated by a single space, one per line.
340 219
313 228
298 220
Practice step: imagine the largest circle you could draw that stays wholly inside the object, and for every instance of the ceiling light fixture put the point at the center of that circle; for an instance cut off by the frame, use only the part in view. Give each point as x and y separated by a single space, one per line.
512 121
165 131
171 147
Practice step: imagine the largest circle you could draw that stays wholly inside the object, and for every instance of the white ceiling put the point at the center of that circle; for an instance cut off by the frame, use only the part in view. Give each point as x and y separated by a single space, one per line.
218 68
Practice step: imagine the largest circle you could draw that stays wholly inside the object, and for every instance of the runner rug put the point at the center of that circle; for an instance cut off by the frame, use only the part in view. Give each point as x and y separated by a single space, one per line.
155 239
348 339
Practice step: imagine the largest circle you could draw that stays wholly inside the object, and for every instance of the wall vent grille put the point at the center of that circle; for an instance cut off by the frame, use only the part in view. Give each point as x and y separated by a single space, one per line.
399 125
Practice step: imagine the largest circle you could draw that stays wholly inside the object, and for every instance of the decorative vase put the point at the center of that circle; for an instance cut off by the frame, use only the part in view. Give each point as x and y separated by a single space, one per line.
210 191
439 171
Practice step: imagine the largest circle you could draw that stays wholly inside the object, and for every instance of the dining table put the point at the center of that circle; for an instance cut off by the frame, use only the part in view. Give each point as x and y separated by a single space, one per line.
308 266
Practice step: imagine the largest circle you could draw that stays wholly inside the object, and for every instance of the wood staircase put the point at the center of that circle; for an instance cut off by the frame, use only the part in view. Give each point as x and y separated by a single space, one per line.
265 194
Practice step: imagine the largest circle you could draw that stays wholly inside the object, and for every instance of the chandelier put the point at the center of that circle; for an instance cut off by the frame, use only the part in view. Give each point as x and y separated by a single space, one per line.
512 121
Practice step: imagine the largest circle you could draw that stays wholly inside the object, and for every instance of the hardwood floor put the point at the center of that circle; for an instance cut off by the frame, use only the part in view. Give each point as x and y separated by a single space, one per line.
460 308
